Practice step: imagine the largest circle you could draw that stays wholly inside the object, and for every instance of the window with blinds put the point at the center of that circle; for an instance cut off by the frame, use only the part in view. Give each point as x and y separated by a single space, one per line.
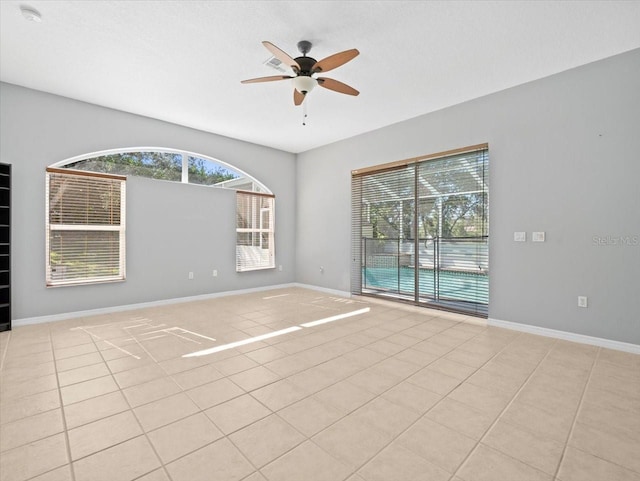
85 227
255 246
420 230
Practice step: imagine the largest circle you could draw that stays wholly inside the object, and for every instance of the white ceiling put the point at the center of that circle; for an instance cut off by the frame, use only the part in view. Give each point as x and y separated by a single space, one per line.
182 61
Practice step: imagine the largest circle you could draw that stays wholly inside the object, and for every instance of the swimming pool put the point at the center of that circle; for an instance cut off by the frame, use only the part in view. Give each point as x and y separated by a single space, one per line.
452 285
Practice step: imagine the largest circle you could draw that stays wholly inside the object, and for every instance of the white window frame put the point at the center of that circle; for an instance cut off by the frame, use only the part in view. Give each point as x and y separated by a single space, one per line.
239 185
51 227
244 262
184 178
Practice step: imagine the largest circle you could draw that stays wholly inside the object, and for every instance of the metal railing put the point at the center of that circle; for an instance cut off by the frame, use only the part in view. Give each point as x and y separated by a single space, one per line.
448 269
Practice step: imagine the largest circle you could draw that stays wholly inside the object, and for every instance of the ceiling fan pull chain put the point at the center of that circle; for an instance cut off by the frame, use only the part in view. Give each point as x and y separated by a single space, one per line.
304 112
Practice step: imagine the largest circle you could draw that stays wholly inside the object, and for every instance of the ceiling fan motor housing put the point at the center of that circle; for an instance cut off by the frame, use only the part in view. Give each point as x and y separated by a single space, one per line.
306 65
304 82
305 68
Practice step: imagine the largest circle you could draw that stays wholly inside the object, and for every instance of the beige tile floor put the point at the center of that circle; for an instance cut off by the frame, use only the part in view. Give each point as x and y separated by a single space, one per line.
392 394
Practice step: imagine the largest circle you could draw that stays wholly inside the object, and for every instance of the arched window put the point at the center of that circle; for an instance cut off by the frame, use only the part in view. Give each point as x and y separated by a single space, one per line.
166 164
86 199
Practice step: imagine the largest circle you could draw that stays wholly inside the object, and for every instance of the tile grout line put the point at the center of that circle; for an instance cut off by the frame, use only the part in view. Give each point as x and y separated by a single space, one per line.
377 396
93 340
437 403
501 413
200 410
62 412
383 392
275 413
307 438
6 350
183 390
575 416
132 412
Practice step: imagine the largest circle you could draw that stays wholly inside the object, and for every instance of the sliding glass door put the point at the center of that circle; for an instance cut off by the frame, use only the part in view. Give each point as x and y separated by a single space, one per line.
420 231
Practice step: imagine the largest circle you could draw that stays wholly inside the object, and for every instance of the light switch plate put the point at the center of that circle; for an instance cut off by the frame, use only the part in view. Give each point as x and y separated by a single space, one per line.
537 237
520 237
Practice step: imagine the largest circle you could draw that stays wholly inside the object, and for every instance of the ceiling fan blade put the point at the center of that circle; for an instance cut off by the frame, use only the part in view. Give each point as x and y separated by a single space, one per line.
336 86
335 60
265 79
298 97
282 56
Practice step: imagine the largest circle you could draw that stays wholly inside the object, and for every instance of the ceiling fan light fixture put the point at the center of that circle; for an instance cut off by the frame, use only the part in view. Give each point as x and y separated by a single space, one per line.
304 84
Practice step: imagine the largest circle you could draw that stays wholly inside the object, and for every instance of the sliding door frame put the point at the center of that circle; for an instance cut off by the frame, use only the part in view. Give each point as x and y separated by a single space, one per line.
359 239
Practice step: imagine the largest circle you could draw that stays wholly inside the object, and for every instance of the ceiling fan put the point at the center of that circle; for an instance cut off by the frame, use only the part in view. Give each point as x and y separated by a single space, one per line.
306 70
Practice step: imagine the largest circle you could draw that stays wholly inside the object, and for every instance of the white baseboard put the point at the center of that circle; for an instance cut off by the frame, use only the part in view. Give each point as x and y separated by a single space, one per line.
163 302
107 310
425 310
567 336
334 292
541 331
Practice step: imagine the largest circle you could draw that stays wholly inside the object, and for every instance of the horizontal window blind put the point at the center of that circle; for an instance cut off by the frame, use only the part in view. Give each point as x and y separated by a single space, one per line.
85 227
255 246
388 203
420 230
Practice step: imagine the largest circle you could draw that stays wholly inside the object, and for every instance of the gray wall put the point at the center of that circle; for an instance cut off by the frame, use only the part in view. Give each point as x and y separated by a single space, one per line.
172 228
563 160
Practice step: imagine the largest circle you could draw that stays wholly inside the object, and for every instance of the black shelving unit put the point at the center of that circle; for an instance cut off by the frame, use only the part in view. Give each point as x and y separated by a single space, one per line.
5 247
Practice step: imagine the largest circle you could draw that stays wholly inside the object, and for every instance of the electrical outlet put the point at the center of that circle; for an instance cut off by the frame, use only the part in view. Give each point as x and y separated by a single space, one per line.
215 273
280 267
582 301
190 275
